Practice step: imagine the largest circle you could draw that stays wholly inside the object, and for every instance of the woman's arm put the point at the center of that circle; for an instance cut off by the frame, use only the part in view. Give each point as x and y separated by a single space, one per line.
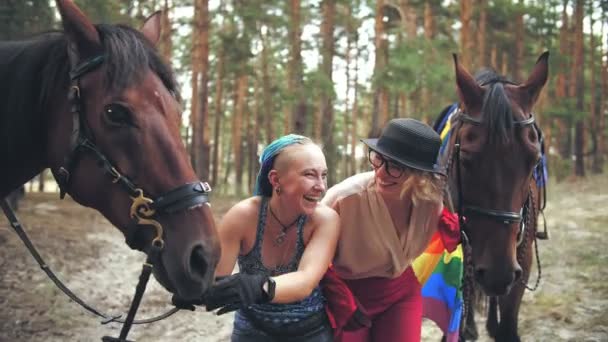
319 252
231 232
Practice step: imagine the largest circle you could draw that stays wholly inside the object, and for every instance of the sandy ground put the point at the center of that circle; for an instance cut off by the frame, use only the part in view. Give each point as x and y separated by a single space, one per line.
90 255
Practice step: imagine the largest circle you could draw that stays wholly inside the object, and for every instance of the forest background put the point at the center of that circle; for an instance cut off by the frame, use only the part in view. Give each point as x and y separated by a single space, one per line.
338 70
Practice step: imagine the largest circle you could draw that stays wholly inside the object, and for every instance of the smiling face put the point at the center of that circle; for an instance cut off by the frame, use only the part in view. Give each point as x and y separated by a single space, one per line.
301 174
389 175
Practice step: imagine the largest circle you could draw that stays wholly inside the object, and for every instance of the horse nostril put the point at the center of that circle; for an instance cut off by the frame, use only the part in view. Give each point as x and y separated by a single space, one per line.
198 263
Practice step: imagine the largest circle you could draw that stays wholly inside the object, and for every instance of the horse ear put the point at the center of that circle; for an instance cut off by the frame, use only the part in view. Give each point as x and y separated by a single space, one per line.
470 93
151 28
537 79
83 38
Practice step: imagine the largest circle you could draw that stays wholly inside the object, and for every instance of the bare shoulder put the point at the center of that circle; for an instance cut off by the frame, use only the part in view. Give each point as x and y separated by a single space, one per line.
243 212
325 215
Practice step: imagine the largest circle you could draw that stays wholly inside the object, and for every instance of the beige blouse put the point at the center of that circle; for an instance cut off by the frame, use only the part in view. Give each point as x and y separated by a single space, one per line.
370 245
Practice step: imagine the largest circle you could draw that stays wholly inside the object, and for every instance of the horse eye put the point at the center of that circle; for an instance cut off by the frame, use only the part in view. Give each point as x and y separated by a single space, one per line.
117 115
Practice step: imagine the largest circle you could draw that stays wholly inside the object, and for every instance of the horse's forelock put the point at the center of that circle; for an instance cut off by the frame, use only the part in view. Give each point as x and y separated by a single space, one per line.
128 54
496 109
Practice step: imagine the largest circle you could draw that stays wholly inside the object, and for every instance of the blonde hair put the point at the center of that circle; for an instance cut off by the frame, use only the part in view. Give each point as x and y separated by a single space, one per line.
425 190
423 186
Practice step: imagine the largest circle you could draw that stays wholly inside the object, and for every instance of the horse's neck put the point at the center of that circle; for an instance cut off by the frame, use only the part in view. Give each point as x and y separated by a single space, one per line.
23 122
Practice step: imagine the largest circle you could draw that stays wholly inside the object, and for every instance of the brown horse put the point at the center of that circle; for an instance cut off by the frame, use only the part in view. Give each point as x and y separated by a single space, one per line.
492 150
97 105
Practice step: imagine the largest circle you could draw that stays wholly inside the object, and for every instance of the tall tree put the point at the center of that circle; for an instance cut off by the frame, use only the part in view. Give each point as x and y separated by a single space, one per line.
482 33
519 41
295 69
466 42
237 124
380 102
579 80
561 84
328 8
219 113
166 43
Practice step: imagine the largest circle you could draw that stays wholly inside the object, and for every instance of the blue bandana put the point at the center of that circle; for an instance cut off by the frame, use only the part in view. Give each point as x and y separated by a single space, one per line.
262 184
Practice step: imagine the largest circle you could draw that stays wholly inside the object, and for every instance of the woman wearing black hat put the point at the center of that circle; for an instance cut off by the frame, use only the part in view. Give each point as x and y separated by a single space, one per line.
388 217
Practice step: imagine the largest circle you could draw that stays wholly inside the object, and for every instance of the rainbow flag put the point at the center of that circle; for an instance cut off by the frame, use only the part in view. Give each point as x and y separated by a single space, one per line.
439 271
440 274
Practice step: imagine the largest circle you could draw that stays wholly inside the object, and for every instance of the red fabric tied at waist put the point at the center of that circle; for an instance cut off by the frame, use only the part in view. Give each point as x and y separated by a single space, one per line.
343 309
449 230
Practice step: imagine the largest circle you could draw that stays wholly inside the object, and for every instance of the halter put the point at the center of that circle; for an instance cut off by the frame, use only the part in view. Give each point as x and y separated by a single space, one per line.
143 210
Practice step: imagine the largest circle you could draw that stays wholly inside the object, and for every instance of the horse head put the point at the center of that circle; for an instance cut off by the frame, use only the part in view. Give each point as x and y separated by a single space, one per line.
496 147
115 146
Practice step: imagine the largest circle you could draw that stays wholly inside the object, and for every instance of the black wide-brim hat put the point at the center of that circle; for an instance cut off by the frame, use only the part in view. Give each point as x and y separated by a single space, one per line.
411 143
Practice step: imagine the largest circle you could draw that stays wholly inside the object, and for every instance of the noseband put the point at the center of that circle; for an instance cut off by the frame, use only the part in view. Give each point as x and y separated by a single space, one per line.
143 210
467 210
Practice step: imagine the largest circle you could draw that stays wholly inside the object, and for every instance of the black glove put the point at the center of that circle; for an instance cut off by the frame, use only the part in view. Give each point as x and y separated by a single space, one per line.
186 304
237 291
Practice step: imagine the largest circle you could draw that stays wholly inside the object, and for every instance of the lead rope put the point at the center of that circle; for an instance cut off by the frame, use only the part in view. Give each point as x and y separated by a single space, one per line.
106 318
531 234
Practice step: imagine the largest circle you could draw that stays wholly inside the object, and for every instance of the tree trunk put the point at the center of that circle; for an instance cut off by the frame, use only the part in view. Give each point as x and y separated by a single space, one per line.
219 113
203 157
166 44
561 87
347 116
596 164
237 135
429 34
41 180
481 33
466 43
295 70
603 97
579 139
254 164
354 135
327 35
195 83
268 107
380 104
519 42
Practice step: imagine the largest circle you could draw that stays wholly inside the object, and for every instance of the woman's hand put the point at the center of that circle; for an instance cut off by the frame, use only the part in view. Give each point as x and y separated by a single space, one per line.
238 290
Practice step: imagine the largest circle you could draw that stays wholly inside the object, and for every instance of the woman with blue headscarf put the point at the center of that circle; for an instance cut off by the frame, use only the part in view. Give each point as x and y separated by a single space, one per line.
283 240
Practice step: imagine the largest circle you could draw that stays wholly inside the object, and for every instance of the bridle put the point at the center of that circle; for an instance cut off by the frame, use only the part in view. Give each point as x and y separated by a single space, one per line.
143 211
468 210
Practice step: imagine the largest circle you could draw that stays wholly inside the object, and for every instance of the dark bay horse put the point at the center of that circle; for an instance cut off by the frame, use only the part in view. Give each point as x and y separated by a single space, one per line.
97 105
492 150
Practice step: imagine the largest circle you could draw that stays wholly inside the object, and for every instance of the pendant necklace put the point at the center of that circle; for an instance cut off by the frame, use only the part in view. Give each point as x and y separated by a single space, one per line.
280 238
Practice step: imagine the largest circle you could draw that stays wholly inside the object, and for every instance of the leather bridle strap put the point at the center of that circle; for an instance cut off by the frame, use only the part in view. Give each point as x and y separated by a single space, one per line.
507 217
18 228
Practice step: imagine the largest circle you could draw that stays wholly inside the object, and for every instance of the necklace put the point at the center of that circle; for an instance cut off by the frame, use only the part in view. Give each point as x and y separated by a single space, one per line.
280 238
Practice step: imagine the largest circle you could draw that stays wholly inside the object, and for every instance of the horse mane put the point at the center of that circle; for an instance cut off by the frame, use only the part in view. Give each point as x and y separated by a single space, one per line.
496 109
34 72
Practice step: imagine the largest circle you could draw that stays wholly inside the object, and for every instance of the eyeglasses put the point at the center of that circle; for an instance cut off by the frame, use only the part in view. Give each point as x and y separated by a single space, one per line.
392 168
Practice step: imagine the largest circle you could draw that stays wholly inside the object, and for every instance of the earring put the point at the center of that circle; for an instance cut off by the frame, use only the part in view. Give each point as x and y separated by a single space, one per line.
278 190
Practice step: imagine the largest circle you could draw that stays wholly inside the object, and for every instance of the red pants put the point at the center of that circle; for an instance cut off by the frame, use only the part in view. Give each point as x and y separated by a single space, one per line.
393 305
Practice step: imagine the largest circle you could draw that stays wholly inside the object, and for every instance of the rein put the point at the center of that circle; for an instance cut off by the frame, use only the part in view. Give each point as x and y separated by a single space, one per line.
143 212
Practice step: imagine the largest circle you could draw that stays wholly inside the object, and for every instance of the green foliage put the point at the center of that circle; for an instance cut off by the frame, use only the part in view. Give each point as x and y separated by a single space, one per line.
19 18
